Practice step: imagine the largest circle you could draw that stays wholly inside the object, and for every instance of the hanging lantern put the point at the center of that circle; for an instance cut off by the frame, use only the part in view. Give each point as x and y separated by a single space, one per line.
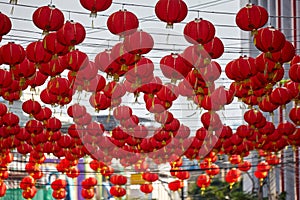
261 175
280 96
269 40
87 194
51 44
122 23
118 179
95 6
48 18
286 54
122 57
242 68
232 176
146 188
294 72
171 11
203 181
105 62
140 42
5 24
174 67
12 54
76 60
37 79
44 114
117 191
244 166
23 71
199 31
251 17
253 116
212 170
59 86
294 115
175 185
89 183
71 34
31 107
215 48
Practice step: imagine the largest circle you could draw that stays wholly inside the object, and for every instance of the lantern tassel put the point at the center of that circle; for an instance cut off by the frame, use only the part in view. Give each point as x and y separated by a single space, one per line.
12 10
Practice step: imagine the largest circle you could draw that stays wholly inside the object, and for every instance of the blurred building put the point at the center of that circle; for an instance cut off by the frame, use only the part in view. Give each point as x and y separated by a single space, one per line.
284 16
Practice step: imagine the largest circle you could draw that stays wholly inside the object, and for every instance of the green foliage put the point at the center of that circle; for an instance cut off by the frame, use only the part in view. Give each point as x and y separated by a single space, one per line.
220 190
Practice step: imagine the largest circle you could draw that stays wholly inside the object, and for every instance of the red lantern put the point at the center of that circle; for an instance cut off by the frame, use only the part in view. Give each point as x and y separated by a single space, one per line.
272 159
263 166
31 107
58 184
5 24
203 181
269 40
51 44
71 34
174 67
117 191
76 111
59 86
10 119
244 166
211 121
251 17
12 54
87 194
122 112
76 60
59 194
2 189
122 23
212 170
53 124
235 159
122 57
241 68
171 11
215 48
146 188
23 71
294 72
105 63
140 42
150 177
295 115
89 183
44 114
253 116
118 179
95 6
37 79
3 109
48 18
199 31
175 185
286 54
232 176
266 105
29 193
280 96
260 175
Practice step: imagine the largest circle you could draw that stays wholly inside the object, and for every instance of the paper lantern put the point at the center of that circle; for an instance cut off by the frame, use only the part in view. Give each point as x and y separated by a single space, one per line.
171 11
